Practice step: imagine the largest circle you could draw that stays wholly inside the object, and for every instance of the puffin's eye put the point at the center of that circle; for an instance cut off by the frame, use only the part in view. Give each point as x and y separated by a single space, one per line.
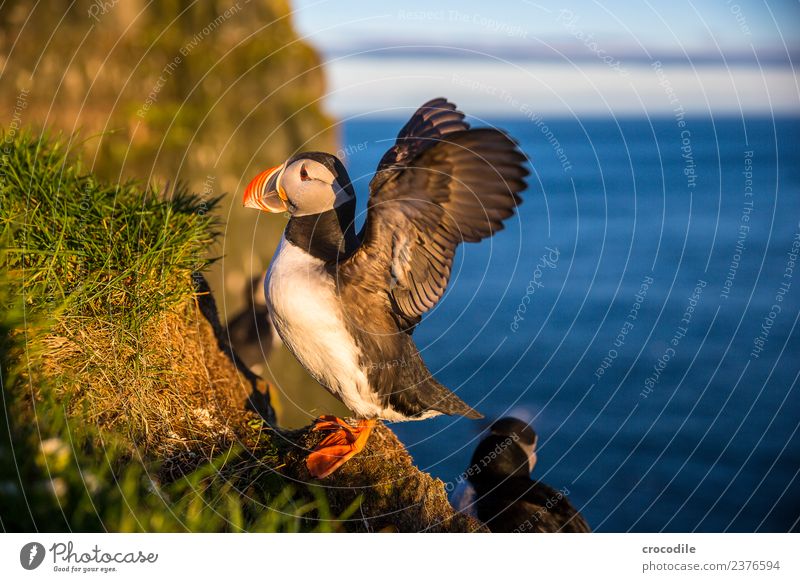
303 173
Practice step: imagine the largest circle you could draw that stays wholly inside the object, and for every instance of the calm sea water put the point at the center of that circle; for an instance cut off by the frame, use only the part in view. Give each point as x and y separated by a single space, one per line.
680 414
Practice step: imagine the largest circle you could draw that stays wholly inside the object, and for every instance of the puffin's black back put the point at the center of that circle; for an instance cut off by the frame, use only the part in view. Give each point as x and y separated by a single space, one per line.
525 506
508 500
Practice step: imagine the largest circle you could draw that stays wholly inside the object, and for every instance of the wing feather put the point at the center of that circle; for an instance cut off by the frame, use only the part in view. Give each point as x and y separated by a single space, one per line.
440 184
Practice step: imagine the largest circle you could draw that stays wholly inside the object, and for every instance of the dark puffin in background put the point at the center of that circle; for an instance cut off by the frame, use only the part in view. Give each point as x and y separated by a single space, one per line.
250 332
498 490
346 303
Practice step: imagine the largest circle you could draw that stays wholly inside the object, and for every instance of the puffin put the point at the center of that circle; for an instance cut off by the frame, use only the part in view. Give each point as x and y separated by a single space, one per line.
250 332
497 488
346 303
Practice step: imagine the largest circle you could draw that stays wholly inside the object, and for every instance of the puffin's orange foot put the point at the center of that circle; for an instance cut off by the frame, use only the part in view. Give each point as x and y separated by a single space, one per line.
335 449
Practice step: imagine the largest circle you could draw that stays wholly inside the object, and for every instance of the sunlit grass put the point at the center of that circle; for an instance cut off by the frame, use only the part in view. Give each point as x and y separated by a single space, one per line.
96 249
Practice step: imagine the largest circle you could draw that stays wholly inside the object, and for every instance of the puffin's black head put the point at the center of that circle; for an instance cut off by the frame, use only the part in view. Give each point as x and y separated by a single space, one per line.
514 427
521 433
497 458
509 450
306 184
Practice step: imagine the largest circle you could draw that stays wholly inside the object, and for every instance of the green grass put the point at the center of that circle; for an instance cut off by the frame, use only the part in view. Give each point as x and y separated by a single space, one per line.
96 249
82 257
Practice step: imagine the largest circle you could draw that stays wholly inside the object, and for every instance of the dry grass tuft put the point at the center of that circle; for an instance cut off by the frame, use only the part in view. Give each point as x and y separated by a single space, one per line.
169 388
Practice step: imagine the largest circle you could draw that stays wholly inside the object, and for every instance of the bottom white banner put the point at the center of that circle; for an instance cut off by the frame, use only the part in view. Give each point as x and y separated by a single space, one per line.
396 557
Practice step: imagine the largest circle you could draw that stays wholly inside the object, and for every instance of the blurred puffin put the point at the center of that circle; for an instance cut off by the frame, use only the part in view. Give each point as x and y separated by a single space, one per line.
498 489
250 332
346 304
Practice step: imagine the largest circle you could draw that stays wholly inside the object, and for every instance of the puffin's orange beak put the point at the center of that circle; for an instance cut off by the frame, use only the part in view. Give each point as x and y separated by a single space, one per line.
264 192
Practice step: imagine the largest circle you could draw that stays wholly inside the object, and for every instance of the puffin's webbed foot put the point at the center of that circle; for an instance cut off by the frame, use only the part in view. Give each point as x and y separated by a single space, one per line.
335 449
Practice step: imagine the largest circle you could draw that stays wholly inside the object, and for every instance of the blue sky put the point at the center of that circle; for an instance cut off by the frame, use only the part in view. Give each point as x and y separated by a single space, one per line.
665 24
567 57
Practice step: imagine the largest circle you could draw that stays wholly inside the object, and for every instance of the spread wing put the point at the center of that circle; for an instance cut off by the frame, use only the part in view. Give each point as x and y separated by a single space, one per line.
442 183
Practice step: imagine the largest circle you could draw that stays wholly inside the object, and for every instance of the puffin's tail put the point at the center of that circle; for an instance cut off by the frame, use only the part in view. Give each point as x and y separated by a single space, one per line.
444 400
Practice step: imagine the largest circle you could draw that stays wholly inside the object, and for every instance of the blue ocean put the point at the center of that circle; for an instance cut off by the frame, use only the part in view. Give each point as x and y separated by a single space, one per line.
641 312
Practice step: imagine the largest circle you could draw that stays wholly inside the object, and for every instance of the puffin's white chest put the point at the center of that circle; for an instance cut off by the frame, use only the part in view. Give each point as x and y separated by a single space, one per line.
307 314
